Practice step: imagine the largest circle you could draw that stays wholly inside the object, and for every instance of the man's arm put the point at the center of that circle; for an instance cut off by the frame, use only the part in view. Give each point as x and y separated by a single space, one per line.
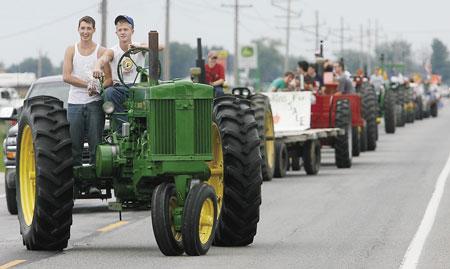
106 69
221 79
144 45
104 60
68 68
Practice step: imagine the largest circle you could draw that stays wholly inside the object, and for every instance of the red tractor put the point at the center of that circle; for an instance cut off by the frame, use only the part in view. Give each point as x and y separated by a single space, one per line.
333 109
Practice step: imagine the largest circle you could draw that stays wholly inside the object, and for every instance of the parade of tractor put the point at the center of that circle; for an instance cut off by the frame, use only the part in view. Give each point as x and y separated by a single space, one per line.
196 156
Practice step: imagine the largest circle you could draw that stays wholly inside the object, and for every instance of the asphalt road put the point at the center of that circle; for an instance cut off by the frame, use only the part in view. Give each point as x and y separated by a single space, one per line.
363 217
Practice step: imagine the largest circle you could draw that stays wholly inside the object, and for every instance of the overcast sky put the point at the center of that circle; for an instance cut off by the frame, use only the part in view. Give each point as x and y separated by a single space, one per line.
416 21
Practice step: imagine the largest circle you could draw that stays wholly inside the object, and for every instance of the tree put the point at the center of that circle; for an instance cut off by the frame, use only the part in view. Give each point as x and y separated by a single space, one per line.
397 57
439 59
31 65
354 59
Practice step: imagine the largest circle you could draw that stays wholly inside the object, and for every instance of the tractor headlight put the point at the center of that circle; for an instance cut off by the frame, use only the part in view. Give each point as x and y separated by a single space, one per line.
245 92
108 107
236 92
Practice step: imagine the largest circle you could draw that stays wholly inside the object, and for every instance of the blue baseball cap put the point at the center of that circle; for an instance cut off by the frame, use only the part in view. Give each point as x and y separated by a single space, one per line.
124 17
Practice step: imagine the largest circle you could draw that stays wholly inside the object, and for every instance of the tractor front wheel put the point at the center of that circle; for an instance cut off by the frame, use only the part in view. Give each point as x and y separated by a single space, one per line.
10 193
44 174
164 203
199 219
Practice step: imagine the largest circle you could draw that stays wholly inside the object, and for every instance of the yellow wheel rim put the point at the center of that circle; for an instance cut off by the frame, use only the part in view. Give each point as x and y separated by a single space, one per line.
216 167
206 222
172 205
270 139
27 175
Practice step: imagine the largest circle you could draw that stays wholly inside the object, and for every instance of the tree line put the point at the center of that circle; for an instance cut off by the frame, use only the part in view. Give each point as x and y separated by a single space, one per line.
397 58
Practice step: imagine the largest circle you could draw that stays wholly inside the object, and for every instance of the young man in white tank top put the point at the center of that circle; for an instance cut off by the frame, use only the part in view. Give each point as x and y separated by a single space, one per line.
84 113
118 93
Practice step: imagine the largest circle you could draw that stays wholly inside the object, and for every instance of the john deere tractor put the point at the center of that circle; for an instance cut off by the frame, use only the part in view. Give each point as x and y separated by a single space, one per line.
196 161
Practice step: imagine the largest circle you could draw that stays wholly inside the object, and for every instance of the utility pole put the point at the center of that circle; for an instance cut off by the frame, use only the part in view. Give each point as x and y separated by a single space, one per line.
167 43
39 65
288 35
376 33
104 13
369 48
342 36
236 7
317 26
361 46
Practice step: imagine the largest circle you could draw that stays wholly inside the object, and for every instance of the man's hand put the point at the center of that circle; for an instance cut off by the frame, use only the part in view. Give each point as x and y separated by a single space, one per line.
97 73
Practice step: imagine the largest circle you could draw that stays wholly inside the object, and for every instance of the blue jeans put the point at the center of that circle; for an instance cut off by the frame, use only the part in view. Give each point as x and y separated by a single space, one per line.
117 94
86 120
218 91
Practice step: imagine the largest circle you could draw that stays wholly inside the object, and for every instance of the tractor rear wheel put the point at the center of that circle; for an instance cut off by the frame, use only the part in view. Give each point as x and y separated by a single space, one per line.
263 116
434 110
10 193
239 216
356 140
44 174
419 106
164 203
281 159
199 219
370 115
390 115
343 143
311 157
364 139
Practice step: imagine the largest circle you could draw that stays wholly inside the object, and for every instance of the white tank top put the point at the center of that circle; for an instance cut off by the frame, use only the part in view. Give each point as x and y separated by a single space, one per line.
129 74
82 69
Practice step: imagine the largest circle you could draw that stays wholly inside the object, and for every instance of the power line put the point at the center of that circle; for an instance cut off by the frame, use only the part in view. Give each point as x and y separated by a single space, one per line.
40 26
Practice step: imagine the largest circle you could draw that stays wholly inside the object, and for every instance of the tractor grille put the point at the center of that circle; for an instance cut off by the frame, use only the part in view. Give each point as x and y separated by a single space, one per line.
202 125
163 131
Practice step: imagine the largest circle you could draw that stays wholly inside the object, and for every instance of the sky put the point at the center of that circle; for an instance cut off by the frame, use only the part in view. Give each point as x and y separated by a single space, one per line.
50 26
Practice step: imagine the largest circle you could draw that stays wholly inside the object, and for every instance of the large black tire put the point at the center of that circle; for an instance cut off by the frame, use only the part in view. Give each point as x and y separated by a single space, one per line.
10 193
343 143
364 139
281 160
164 200
263 116
370 110
419 108
49 228
295 162
390 115
356 140
311 157
201 196
239 216
401 115
434 110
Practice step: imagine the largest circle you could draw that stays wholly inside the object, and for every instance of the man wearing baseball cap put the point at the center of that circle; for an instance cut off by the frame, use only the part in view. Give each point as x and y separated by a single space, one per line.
215 73
118 93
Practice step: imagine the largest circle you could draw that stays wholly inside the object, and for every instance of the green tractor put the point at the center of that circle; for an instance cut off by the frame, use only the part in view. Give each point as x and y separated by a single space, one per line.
194 159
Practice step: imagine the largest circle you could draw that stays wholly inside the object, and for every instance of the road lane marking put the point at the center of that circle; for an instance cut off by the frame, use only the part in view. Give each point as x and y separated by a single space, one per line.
113 226
412 255
12 264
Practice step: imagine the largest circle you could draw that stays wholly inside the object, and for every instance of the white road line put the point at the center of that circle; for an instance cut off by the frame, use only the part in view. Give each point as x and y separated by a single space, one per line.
412 255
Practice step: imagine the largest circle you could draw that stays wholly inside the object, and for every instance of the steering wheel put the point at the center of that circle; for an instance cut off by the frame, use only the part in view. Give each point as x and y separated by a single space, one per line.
126 63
